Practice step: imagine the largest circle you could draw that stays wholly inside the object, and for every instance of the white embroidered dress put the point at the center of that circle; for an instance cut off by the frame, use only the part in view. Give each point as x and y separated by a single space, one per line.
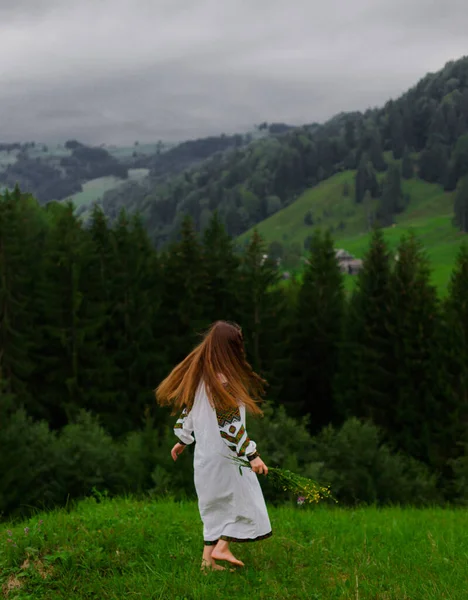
231 505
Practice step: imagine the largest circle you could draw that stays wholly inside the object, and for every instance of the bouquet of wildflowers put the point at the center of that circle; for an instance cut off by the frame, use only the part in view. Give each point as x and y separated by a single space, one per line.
307 490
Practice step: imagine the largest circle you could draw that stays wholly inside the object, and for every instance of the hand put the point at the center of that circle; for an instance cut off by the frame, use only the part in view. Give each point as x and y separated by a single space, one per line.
258 466
177 450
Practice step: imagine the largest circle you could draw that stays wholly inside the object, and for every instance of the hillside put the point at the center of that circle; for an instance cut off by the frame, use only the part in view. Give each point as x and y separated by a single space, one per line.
429 214
83 173
248 184
94 189
114 549
59 172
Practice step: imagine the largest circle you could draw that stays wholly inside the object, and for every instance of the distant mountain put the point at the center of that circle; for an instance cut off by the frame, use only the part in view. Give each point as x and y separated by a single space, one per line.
186 154
56 173
249 177
247 183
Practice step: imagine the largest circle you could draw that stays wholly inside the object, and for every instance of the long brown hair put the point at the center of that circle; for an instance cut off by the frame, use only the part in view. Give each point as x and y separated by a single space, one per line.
220 362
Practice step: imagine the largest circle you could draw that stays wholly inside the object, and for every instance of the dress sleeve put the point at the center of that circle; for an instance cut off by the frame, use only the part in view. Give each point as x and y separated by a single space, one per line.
232 429
184 428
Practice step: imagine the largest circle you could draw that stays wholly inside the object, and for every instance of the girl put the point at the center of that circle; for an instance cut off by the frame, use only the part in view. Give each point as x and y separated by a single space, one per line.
213 387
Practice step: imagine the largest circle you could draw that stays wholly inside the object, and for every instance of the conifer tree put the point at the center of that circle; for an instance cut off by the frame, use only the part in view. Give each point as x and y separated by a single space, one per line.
222 275
183 311
135 287
433 163
376 153
20 272
407 168
391 201
350 134
414 392
263 311
104 269
71 359
366 180
461 205
454 348
369 209
317 334
396 133
363 377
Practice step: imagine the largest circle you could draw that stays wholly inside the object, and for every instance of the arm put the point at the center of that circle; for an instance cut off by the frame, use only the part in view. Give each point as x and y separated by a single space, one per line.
234 434
183 429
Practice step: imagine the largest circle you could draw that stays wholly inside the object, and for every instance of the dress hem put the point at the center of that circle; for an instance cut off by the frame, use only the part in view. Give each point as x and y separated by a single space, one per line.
228 538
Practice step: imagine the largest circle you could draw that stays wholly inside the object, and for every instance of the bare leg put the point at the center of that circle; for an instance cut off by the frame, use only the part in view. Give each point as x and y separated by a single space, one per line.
208 562
222 552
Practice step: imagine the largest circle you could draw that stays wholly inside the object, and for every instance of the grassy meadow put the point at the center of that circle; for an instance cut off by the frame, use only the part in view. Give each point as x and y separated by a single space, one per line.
428 214
125 548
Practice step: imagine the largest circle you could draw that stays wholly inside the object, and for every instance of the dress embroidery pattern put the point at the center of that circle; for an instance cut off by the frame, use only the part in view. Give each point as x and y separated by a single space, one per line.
228 538
232 430
234 440
226 417
180 421
182 429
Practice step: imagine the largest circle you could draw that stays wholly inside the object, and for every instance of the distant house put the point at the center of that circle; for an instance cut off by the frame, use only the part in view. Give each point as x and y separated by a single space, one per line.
347 262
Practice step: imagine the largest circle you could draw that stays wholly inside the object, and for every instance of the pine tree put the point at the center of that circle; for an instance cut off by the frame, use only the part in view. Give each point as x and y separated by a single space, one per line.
455 360
391 201
221 266
103 270
71 360
408 124
366 180
396 133
368 205
461 205
361 181
317 334
376 153
263 312
363 376
20 273
433 163
438 131
350 134
414 391
183 312
407 168
105 266
135 286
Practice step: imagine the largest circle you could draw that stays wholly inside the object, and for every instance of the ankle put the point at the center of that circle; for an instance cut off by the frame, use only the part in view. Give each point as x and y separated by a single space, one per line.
222 546
207 554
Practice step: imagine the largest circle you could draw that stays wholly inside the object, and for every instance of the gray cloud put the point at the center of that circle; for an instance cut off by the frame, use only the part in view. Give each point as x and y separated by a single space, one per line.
118 70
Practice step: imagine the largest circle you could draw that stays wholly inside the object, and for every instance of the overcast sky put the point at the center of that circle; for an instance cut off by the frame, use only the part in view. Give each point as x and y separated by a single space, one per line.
116 71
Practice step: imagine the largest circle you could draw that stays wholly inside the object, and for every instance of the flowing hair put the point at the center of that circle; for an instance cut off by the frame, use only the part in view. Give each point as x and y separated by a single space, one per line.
219 361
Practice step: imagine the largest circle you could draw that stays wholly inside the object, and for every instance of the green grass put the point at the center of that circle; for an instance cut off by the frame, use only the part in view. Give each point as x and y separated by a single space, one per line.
128 549
429 215
94 189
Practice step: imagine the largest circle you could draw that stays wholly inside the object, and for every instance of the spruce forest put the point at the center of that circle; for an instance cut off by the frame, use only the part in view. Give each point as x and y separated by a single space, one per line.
368 390
368 387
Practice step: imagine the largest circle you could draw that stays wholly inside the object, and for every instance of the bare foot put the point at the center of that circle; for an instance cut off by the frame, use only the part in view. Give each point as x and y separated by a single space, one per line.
223 553
211 566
